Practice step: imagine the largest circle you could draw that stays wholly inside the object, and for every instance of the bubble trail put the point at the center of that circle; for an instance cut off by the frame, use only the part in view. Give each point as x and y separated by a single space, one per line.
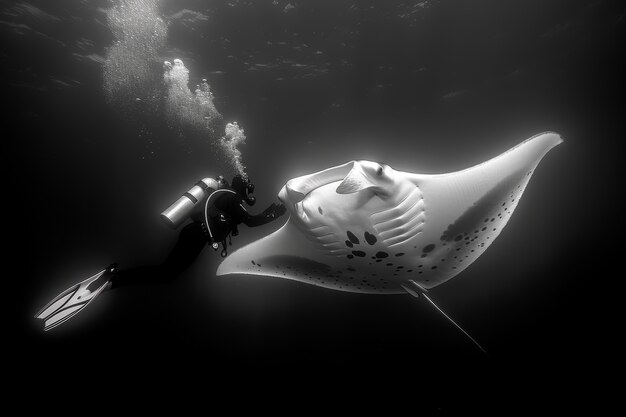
130 69
131 75
234 136
186 108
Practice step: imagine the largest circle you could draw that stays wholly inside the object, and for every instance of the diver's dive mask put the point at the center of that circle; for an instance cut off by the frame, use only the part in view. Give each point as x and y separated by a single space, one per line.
249 198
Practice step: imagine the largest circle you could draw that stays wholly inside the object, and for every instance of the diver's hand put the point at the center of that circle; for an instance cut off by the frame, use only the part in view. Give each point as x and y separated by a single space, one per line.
275 210
280 209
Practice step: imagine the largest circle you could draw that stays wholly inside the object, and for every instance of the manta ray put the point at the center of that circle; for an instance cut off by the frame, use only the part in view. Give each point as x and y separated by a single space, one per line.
367 228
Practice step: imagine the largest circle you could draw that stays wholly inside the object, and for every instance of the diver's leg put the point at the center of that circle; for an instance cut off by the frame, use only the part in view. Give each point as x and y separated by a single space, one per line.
190 243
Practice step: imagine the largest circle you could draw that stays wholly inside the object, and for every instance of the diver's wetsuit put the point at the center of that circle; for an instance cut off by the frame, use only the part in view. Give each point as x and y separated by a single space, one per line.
229 206
193 238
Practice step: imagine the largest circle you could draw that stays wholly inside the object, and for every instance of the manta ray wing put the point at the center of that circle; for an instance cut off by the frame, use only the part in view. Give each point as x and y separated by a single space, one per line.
282 254
444 223
465 211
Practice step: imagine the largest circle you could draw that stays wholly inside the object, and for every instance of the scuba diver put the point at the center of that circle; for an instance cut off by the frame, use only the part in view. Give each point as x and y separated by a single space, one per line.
215 207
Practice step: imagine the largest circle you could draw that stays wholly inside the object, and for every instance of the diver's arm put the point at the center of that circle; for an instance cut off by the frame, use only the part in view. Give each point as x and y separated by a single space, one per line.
271 213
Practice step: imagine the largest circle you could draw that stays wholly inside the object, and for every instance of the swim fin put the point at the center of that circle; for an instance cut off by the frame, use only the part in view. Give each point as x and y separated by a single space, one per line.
71 301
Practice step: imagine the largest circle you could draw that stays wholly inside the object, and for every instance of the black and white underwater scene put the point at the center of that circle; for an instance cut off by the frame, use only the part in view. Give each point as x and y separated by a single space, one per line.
443 182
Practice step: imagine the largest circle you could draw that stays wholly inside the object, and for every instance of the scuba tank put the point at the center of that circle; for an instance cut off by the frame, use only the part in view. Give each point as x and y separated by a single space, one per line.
182 208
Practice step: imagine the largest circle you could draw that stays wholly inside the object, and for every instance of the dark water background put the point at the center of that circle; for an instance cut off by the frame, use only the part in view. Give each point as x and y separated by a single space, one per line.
426 88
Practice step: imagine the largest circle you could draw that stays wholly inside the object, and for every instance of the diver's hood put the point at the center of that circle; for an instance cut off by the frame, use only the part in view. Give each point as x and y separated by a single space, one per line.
244 188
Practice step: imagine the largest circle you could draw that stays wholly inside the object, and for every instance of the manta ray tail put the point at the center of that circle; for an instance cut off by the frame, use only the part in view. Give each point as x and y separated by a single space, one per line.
422 291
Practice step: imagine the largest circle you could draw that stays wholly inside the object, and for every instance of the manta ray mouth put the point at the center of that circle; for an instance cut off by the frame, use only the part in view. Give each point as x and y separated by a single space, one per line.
298 188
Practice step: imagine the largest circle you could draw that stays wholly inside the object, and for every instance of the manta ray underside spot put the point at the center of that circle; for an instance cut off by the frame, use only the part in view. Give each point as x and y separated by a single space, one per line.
365 227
